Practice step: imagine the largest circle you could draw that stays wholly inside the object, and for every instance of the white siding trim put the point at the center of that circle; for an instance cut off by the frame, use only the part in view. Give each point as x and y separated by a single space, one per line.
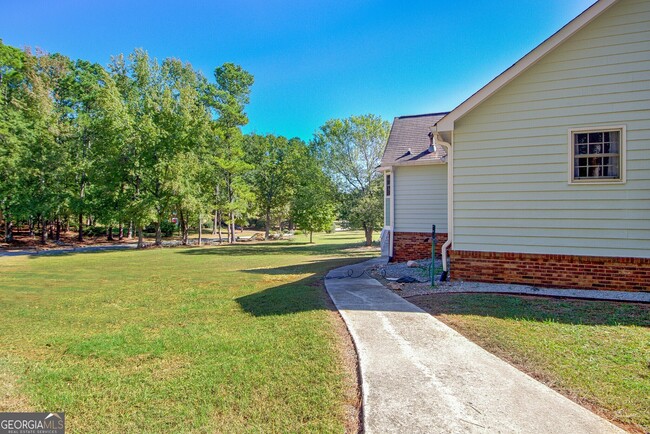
389 170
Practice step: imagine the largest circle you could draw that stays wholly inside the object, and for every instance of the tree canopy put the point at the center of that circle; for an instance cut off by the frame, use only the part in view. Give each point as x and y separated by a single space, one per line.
350 151
142 142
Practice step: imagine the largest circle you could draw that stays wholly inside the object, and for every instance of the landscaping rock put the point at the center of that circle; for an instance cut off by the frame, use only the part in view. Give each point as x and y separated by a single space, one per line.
407 279
412 264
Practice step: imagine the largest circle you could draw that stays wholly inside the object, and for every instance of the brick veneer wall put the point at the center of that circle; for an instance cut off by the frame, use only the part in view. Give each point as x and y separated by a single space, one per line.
559 271
415 245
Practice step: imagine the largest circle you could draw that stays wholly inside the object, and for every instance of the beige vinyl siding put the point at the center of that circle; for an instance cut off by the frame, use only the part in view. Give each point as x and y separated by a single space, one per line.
420 198
511 190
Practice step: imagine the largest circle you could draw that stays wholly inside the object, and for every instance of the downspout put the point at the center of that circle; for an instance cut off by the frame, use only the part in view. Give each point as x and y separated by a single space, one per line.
450 199
392 212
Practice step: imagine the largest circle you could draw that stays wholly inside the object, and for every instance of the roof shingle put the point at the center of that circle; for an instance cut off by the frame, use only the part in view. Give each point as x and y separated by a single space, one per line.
408 142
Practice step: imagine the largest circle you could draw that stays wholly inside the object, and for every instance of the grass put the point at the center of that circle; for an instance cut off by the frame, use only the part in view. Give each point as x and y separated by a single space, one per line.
595 352
214 339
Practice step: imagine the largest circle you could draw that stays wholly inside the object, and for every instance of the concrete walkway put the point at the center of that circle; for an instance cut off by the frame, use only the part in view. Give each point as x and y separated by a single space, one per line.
418 375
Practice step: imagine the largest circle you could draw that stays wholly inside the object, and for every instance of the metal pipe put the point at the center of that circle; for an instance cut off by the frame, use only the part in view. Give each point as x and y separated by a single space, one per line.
433 255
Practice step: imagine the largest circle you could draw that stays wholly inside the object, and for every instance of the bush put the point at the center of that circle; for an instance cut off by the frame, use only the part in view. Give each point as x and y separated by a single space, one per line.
167 228
95 231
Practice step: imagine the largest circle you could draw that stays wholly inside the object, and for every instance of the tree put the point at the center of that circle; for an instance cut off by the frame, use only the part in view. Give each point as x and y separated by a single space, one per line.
350 151
313 208
275 162
114 137
13 126
229 98
81 106
41 184
132 145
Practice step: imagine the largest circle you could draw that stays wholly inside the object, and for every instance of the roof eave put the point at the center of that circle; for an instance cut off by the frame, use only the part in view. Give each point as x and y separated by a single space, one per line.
388 166
447 122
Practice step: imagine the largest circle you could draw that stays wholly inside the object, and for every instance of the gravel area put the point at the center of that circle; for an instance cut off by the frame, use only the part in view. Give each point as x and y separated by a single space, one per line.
395 270
386 274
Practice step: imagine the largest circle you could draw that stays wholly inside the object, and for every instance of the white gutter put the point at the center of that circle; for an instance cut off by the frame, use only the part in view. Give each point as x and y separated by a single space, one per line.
437 139
409 164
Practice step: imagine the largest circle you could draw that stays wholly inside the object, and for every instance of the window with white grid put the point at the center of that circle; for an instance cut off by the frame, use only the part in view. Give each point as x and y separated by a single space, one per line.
597 155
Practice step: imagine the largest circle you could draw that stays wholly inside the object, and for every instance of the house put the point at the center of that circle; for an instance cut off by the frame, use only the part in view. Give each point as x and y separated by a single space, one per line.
549 163
415 188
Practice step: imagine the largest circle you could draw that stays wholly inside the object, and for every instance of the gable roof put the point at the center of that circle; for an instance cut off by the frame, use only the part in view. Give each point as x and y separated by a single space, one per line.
408 142
447 123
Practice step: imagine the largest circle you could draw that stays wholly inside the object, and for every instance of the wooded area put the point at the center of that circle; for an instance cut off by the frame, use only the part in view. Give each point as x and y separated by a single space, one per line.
141 142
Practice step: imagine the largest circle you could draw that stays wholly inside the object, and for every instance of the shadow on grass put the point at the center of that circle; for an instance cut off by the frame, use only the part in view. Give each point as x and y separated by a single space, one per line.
514 307
304 295
351 294
301 296
275 247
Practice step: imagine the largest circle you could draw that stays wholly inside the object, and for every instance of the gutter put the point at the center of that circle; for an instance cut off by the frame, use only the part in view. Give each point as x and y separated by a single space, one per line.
409 164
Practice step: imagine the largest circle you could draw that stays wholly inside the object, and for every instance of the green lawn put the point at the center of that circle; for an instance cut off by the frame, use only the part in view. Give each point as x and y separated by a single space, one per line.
222 339
596 352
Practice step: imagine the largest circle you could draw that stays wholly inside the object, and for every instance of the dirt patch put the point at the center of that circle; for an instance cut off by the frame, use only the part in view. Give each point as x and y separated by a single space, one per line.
11 399
348 356
23 241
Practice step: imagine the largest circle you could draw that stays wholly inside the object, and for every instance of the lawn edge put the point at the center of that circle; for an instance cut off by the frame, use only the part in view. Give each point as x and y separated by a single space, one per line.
349 357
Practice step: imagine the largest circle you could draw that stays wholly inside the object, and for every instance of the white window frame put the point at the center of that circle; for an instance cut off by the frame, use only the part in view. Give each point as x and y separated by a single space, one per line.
596 129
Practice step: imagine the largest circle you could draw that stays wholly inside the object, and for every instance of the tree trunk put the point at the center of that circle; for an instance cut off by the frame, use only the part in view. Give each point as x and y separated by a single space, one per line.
43 231
120 232
233 228
80 237
368 230
311 237
58 229
219 222
267 232
200 229
158 233
214 222
9 233
67 224
50 228
109 234
130 233
30 224
140 240
183 227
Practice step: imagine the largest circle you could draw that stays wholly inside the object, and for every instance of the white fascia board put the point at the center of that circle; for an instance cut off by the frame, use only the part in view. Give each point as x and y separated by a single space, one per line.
419 163
447 123
410 163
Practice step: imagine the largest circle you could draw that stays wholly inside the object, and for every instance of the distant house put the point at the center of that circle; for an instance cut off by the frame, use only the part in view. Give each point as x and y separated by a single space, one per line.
549 163
415 193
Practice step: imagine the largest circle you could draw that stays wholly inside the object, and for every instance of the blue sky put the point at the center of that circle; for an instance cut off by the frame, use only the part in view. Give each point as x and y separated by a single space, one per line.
312 60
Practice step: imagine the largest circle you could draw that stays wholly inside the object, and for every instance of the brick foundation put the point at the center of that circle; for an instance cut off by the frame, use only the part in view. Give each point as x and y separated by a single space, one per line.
559 271
415 245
